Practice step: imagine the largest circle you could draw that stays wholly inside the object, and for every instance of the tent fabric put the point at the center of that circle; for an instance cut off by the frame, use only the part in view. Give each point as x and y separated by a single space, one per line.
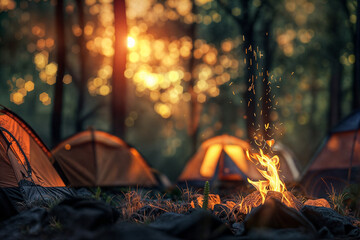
330 165
336 153
26 171
202 166
96 158
19 150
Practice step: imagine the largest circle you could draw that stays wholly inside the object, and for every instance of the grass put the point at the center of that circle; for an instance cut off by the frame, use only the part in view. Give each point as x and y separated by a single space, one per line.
336 201
153 204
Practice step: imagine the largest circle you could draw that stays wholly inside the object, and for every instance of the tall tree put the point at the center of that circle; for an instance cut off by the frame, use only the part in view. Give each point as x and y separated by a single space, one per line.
266 89
56 120
195 107
356 83
246 21
118 108
334 53
82 58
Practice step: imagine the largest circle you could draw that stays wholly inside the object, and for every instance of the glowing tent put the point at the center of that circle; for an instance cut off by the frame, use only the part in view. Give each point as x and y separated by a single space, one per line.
96 158
339 152
26 171
224 158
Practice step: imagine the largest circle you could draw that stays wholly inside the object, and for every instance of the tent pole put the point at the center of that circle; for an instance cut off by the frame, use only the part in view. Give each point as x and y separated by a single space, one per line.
352 152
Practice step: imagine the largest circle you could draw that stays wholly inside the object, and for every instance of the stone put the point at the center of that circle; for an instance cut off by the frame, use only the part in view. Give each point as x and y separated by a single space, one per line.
27 223
337 224
129 231
83 213
321 202
200 224
275 215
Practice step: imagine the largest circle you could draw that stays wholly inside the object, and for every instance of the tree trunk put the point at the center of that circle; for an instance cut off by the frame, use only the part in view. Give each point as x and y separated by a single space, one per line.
56 120
82 57
335 93
266 94
193 126
118 108
356 83
250 93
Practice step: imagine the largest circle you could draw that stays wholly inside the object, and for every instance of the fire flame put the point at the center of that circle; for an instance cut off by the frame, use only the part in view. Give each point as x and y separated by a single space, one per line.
272 180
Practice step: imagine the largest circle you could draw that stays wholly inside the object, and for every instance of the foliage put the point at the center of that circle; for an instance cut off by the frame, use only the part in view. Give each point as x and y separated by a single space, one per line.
352 199
206 195
337 201
308 40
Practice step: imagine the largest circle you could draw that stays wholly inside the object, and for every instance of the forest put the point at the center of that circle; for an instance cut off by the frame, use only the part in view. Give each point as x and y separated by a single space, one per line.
180 119
186 71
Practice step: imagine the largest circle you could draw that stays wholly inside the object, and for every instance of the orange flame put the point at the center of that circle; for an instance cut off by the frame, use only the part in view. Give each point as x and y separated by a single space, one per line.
272 180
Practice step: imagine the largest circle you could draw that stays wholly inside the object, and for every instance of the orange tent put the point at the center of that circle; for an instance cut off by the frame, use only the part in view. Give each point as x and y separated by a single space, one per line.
23 156
339 152
26 171
96 158
224 158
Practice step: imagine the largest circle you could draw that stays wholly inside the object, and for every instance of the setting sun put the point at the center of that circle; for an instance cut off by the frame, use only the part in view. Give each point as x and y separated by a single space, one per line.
131 42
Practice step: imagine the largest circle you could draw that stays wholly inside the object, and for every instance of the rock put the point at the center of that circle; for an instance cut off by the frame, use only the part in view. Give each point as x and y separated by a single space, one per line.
128 231
279 234
221 211
147 212
238 228
198 225
162 222
213 200
321 202
275 215
27 223
83 213
325 217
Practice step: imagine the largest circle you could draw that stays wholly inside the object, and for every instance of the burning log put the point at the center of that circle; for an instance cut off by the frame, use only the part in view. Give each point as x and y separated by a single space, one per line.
255 199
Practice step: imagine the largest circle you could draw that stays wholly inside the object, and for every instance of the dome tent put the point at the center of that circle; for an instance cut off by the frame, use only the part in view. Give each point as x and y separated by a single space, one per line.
97 158
224 158
26 171
337 159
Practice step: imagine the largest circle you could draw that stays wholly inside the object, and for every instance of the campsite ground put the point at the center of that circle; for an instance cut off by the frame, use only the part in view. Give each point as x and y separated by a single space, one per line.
180 215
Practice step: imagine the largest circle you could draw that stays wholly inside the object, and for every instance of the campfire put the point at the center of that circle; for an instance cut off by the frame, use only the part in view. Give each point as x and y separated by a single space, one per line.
272 186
